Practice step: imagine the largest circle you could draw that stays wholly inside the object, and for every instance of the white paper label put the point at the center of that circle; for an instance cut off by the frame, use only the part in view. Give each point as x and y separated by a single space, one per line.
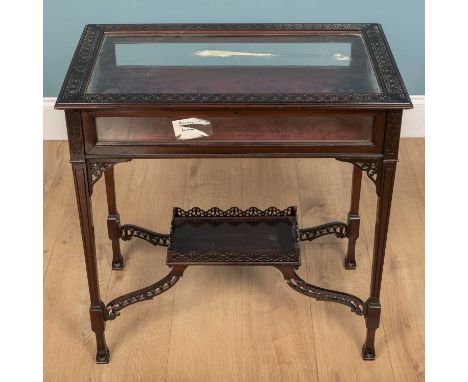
191 128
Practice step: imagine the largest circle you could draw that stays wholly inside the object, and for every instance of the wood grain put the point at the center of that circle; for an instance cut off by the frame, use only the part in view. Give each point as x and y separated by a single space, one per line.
207 315
57 182
325 190
277 335
234 323
403 278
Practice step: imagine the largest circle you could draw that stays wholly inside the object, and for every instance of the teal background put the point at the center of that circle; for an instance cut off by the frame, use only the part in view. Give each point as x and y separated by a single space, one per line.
402 20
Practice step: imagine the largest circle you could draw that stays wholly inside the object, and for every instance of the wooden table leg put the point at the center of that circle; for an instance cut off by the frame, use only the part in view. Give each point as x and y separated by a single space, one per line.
97 308
353 219
385 191
113 220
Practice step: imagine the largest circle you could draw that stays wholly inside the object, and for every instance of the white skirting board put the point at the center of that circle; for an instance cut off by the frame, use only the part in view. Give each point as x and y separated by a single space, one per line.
54 120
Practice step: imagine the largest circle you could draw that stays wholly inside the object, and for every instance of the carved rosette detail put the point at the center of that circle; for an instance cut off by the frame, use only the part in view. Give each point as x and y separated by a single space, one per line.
340 230
128 231
74 89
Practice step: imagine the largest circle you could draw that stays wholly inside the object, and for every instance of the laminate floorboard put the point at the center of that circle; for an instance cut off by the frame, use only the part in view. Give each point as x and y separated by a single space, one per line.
234 323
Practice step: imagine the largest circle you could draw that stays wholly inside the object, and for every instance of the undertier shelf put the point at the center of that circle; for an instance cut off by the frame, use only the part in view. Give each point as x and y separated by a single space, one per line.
234 237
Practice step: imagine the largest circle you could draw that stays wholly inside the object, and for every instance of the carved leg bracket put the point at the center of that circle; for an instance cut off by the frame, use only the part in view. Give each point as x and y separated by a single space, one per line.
114 307
357 305
373 168
340 230
97 168
128 231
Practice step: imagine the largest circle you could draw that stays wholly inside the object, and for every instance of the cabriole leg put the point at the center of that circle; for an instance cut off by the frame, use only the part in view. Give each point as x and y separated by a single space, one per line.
353 218
97 308
113 220
373 309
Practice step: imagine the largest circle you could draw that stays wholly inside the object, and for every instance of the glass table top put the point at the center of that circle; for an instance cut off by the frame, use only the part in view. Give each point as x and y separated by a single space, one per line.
151 64
231 64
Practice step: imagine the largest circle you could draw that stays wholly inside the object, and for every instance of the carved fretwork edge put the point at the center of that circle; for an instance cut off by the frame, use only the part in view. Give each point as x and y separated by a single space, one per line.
97 167
357 305
372 167
127 231
114 307
341 230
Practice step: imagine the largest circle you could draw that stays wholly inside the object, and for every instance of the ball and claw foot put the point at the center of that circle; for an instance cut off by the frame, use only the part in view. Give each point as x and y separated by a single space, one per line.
118 265
368 354
102 356
350 264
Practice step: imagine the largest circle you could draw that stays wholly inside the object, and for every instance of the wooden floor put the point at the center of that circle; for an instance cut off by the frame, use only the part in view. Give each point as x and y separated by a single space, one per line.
237 323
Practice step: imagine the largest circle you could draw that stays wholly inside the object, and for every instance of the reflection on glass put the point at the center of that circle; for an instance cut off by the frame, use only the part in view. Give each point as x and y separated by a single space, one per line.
315 63
352 128
233 54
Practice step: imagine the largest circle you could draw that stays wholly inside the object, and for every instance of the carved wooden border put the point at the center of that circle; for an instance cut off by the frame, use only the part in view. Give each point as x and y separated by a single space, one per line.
392 134
234 212
357 305
251 215
114 307
128 231
75 134
340 230
393 89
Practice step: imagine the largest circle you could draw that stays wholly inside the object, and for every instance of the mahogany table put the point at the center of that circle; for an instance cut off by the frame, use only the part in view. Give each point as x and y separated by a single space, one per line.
233 90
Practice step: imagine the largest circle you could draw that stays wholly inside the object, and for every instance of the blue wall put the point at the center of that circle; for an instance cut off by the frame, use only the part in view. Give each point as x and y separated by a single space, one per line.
402 20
